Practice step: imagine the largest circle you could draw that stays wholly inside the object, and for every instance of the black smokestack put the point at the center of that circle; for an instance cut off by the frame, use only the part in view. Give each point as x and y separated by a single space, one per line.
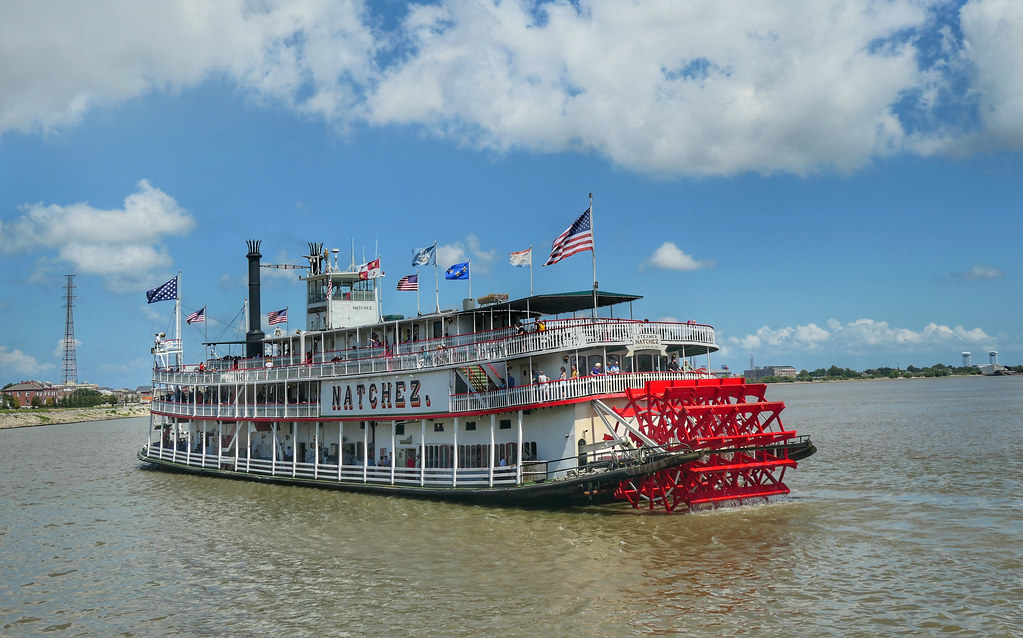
254 337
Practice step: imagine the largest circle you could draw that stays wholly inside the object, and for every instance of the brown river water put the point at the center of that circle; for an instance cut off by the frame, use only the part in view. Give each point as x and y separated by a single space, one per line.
908 521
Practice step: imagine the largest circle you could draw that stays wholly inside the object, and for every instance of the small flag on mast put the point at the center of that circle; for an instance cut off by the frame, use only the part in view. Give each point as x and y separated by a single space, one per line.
165 292
457 271
521 258
424 256
577 238
199 316
409 282
370 270
277 316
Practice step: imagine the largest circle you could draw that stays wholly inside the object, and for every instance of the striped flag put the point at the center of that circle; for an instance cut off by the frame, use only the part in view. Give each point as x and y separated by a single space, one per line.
330 286
409 282
576 239
521 258
198 316
277 316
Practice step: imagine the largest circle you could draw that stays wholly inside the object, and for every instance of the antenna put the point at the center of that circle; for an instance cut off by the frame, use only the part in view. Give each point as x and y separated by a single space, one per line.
70 368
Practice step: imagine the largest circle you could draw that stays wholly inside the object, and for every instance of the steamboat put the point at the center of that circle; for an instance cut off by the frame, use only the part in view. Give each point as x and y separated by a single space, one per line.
550 400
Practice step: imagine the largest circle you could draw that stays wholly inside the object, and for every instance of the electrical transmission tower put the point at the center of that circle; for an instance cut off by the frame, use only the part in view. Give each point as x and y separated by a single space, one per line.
70 368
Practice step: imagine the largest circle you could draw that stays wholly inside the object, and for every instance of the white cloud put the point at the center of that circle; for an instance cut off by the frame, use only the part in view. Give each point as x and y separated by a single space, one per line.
979 271
669 257
58 351
702 87
992 30
122 245
20 363
457 252
858 336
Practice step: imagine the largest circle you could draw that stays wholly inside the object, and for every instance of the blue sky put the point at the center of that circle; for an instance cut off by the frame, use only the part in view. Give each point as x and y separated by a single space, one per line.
825 183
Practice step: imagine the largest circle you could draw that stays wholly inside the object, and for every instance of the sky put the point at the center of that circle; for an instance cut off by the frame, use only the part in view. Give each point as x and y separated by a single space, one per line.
826 183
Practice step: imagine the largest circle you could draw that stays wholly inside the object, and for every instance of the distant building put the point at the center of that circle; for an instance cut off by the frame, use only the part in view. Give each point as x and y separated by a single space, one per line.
124 395
781 372
26 391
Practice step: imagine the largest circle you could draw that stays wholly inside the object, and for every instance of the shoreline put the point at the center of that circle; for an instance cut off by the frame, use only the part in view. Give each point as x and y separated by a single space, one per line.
25 418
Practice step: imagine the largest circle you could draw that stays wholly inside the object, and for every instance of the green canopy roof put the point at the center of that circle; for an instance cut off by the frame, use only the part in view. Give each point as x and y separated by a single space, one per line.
562 302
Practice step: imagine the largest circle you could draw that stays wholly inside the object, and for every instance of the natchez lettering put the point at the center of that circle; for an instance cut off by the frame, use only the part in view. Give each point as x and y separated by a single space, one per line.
386 395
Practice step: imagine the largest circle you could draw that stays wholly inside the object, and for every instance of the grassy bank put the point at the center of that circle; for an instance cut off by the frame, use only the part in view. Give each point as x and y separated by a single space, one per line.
44 416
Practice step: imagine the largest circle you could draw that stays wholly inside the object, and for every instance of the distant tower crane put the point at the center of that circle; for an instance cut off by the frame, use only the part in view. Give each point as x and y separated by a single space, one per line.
70 368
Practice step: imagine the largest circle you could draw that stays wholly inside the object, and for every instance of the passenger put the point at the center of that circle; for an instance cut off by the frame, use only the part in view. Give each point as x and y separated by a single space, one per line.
614 367
564 375
310 452
511 380
411 461
673 364
519 330
542 378
575 372
597 369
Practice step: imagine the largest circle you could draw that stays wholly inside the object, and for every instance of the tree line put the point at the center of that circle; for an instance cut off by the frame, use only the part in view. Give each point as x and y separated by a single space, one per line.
835 373
81 398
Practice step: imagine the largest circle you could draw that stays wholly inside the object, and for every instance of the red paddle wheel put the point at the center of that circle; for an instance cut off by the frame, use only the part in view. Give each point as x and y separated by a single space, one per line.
744 444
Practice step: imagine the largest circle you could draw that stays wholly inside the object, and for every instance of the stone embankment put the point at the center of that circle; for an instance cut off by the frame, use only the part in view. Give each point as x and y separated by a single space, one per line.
27 417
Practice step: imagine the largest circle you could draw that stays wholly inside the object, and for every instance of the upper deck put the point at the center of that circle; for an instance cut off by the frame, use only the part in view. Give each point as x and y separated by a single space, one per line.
624 336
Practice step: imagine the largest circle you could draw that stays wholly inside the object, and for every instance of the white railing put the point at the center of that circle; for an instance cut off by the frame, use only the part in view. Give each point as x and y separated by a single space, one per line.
236 411
407 476
558 335
555 391
537 393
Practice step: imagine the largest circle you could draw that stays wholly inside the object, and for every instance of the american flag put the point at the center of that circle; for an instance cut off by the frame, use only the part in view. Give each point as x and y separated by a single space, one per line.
277 316
198 316
165 292
409 282
576 239
330 286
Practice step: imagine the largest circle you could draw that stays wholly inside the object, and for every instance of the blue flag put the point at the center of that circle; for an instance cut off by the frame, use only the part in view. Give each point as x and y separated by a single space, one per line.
424 256
165 292
458 271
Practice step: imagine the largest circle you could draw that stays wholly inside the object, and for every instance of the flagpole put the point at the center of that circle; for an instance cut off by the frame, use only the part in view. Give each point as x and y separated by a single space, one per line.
436 276
177 319
417 294
593 235
468 265
531 270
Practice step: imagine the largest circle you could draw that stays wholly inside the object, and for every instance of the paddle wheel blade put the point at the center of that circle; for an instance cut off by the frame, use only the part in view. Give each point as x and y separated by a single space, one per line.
745 449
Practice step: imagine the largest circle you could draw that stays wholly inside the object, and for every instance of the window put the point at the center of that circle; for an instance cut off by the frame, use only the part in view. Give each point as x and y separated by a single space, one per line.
399 429
470 426
504 424
438 427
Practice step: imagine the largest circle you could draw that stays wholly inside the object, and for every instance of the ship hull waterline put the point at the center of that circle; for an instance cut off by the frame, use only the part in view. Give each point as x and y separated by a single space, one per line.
584 489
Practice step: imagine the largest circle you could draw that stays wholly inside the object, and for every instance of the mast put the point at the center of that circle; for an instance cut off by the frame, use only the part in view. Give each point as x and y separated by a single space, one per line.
436 276
593 253
177 321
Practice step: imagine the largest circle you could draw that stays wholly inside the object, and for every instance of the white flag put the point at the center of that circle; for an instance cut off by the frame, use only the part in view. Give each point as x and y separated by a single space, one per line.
521 258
